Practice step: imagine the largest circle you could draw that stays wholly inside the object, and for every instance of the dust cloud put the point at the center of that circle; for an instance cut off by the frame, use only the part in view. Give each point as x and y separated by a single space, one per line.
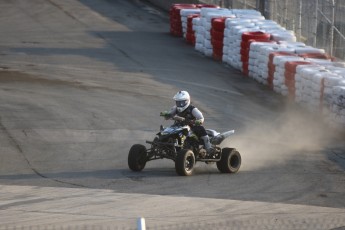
270 141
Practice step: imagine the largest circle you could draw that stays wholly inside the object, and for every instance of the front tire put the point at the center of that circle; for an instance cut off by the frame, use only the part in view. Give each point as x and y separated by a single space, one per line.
230 161
185 162
137 157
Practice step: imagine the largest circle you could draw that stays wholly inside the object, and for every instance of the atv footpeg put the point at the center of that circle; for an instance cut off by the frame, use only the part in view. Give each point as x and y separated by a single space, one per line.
202 153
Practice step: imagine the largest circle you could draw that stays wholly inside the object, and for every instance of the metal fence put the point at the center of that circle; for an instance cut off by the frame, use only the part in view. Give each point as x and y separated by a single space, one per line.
319 23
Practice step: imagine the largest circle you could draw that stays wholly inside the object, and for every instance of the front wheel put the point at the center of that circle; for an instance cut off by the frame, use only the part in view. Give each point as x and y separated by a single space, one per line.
230 161
185 162
137 157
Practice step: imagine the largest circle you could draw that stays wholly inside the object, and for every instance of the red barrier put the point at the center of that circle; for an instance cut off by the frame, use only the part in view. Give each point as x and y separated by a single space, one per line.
290 73
316 55
271 66
217 37
247 39
190 34
257 35
175 18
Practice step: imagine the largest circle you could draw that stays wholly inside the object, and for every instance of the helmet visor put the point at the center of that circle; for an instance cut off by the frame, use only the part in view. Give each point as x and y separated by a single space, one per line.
181 103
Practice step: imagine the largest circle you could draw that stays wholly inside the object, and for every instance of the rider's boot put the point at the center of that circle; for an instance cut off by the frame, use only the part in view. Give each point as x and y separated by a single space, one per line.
209 149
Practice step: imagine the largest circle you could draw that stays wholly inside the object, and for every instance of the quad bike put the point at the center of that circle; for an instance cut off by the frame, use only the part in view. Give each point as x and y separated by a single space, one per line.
181 145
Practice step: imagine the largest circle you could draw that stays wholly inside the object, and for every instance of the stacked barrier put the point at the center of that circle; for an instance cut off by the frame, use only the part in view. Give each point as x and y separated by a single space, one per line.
184 18
337 111
259 59
247 39
334 94
267 52
196 28
217 37
304 92
329 80
190 33
175 18
272 67
206 16
178 18
233 35
284 35
279 73
265 69
290 76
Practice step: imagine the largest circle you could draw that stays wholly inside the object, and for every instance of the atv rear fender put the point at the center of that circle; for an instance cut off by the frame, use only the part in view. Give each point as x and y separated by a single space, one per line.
217 140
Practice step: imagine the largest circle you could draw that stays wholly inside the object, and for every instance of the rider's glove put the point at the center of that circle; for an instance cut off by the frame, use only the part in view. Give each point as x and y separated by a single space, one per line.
196 122
164 114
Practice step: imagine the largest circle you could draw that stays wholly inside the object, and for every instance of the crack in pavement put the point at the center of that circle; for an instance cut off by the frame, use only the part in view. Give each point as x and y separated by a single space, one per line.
32 168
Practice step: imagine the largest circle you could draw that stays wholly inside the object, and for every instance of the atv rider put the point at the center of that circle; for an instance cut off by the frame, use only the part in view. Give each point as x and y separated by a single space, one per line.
192 115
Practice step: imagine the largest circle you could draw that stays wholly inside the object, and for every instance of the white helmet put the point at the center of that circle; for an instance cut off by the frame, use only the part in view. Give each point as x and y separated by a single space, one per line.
182 99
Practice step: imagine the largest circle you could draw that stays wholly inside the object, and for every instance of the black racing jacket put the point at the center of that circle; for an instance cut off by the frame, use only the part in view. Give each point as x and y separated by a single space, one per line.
187 113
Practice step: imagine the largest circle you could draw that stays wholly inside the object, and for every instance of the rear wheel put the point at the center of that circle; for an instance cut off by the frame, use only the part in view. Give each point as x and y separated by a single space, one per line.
137 157
185 162
230 161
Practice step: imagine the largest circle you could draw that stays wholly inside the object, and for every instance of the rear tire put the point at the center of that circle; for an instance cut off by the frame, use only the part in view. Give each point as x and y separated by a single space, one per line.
185 162
230 161
137 157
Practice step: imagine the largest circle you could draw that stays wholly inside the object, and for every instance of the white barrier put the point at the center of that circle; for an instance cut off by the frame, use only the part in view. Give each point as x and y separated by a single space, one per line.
203 35
184 14
234 28
279 74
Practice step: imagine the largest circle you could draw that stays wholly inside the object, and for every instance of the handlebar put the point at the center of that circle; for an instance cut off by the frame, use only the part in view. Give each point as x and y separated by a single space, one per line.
175 118
178 118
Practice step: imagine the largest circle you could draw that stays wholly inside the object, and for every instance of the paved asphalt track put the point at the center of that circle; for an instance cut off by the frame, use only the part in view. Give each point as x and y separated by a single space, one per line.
82 81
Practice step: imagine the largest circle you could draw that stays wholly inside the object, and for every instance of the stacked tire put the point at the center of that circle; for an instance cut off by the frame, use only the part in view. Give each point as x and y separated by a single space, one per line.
234 28
217 37
308 82
258 60
207 16
271 66
337 115
290 74
247 39
190 33
175 18
279 85
184 18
